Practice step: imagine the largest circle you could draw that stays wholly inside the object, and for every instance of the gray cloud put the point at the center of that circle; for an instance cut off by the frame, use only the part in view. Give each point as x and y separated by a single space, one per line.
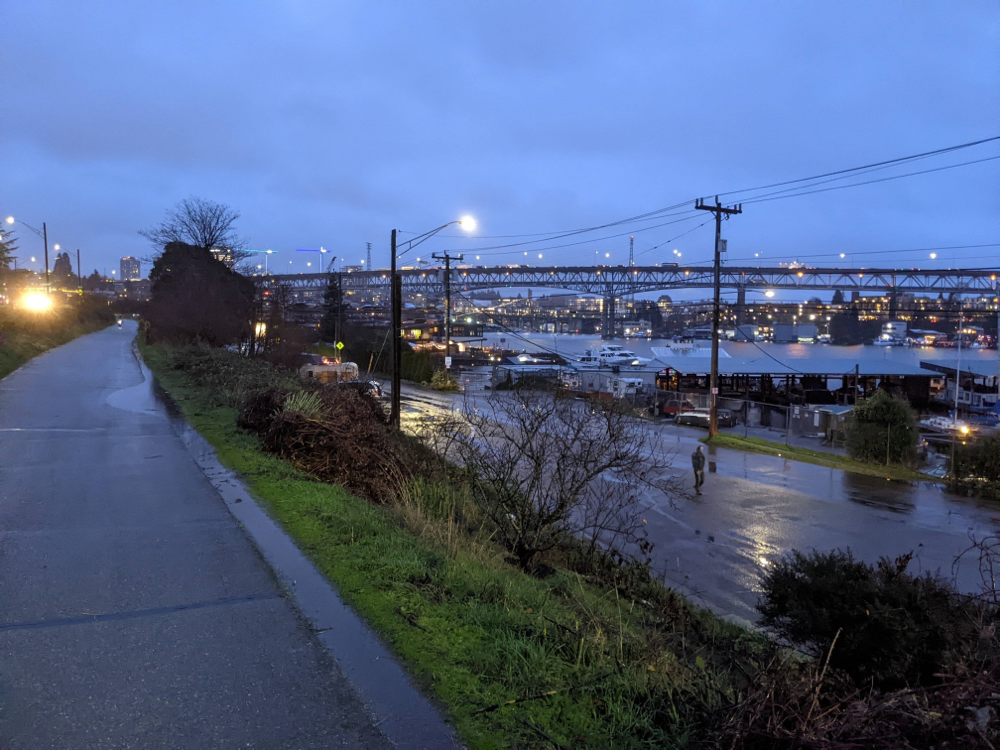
329 123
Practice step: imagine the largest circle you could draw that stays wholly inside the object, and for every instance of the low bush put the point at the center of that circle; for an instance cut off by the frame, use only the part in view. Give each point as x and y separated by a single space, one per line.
892 628
977 468
442 380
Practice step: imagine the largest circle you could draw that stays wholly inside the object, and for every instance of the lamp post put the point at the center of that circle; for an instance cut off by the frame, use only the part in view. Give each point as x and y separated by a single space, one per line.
45 239
396 302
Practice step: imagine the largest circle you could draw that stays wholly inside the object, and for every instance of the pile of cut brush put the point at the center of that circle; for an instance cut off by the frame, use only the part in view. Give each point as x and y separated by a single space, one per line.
335 434
810 707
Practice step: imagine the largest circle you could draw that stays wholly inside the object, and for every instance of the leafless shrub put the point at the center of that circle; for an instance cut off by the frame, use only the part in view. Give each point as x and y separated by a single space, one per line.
544 467
986 553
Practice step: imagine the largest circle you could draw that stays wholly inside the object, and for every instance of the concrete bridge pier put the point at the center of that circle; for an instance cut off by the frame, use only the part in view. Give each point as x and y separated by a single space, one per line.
608 317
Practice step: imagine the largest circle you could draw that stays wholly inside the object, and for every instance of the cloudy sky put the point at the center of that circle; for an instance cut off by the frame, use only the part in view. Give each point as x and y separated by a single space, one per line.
329 123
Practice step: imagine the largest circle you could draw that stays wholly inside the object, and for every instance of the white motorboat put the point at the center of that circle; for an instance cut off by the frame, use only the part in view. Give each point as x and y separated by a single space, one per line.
616 354
888 340
588 360
948 426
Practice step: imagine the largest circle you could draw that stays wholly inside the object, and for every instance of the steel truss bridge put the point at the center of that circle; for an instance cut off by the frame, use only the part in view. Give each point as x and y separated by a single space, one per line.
621 281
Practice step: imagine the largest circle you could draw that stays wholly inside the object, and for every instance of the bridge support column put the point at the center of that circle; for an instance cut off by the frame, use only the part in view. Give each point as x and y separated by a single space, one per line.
741 303
608 318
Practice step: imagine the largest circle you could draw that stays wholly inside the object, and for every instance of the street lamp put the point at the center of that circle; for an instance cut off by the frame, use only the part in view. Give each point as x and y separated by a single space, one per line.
45 239
396 302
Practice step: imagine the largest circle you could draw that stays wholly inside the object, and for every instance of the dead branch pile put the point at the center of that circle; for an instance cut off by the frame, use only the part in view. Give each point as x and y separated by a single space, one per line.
336 435
810 708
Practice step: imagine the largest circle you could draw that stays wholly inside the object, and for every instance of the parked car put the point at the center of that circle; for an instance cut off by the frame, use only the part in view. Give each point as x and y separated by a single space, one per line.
693 418
676 406
701 417
726 418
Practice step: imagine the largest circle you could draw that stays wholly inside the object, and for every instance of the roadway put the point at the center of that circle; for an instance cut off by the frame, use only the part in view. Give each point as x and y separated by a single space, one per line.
135 612
756 508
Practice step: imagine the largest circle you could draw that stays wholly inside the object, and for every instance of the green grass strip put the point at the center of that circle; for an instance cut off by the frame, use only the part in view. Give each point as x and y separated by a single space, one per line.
516 661
831 460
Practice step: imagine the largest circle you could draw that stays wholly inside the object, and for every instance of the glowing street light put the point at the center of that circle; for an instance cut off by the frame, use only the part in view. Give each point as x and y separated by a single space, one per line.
769 293
36 302
933 256
44 234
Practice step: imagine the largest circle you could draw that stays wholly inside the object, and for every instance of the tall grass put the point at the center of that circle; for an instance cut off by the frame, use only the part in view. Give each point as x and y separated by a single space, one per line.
517 661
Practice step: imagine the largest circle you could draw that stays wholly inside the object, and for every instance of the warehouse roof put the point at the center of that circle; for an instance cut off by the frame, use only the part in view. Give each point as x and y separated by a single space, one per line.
765 365
974 368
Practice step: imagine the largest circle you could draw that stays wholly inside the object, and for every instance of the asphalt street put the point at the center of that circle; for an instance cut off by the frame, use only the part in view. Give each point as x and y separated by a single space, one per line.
756 508
134 612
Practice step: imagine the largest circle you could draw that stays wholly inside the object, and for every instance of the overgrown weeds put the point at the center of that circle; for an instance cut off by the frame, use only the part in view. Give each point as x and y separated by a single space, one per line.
591 656
595 653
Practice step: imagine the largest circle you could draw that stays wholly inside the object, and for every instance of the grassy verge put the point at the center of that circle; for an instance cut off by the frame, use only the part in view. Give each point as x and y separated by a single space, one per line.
21 338
516 661
833 461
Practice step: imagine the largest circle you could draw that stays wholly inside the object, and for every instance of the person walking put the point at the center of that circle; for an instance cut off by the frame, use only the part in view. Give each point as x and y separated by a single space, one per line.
698 463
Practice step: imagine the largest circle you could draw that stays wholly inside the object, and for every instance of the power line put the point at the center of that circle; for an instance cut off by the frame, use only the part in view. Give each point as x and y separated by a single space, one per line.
765 199
649 215
674 239
899 160
595 239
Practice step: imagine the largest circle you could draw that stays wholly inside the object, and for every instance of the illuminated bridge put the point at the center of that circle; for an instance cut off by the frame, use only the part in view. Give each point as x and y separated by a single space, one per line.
620 281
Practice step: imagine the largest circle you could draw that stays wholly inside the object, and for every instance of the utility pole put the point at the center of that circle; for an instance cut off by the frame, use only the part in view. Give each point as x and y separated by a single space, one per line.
45 239
719 211
958 381
79 276
447 302
340 306
396 286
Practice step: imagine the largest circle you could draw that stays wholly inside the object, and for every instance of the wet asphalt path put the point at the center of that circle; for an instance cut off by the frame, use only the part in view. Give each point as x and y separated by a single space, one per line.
756 508
133 610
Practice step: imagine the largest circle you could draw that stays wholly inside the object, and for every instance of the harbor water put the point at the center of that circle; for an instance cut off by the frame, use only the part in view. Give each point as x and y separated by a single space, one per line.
572 345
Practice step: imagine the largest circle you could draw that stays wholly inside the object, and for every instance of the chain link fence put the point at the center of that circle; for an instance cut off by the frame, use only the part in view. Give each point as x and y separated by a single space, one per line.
818 427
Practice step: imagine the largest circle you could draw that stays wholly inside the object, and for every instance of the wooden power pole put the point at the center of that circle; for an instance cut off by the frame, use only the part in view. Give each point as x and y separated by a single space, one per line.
447 302
719 211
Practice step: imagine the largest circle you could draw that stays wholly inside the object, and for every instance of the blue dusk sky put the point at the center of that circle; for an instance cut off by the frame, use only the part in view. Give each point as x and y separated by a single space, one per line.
329 123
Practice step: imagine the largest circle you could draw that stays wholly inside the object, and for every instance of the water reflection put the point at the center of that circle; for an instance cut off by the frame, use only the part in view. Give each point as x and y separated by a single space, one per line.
876 492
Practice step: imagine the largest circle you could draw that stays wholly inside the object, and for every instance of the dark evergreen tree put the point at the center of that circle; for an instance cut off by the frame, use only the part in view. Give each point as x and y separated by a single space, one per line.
8 245
196 298
63 268
838 298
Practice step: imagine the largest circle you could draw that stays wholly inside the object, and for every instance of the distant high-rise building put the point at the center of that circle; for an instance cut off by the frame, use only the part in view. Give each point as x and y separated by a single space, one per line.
131 269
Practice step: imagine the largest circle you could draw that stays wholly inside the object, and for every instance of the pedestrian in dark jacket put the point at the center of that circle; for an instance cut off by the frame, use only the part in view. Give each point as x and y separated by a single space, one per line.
698 463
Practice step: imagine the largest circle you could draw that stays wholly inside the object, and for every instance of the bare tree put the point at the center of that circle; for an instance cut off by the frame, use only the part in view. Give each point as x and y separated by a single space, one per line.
544 466
201 223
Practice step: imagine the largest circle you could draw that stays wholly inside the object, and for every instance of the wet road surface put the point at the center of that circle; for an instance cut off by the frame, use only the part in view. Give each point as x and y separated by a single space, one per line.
756 508
134 612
